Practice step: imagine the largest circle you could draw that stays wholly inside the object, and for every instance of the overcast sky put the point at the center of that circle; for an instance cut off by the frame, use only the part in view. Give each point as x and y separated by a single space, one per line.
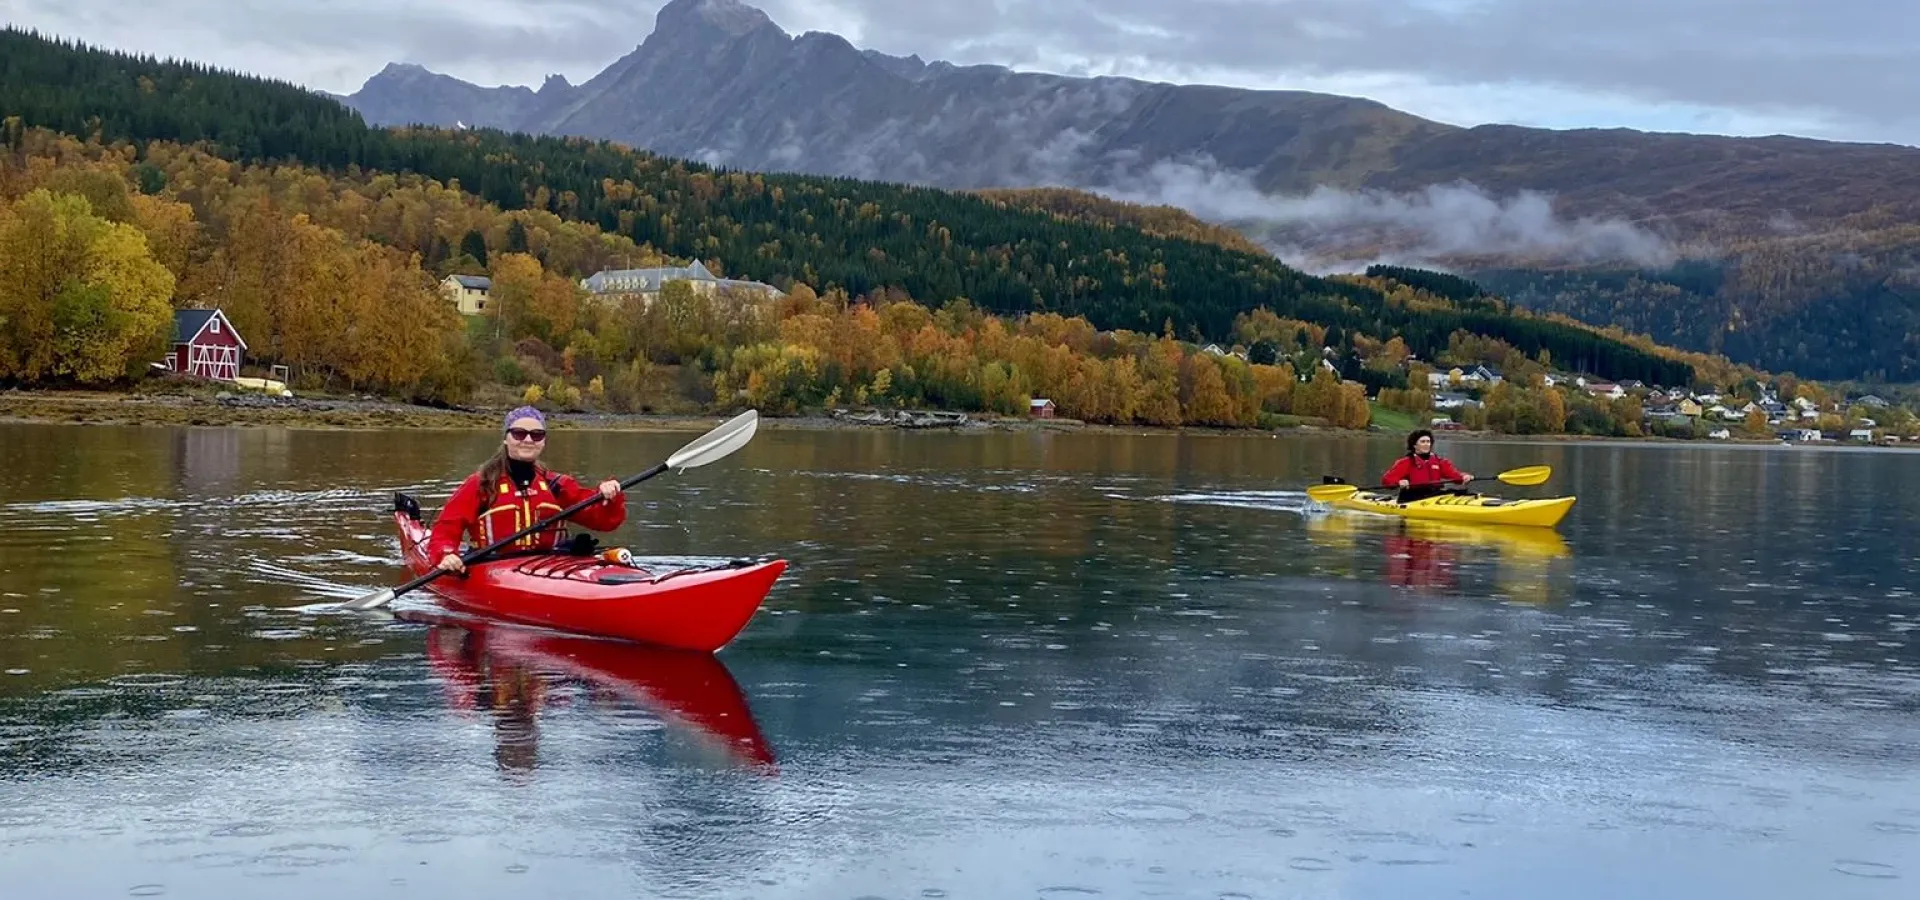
1840 69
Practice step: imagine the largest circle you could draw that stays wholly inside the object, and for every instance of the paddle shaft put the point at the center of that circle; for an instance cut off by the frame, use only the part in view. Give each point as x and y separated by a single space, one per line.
470 557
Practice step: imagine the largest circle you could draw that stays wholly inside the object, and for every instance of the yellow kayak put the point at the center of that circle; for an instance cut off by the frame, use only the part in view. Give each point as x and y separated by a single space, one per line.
1544 512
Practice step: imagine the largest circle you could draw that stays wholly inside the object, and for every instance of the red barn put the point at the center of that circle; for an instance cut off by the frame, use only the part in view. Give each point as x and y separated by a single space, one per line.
205 344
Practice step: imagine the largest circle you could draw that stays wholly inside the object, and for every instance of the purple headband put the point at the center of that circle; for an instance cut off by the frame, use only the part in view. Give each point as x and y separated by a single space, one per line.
524 412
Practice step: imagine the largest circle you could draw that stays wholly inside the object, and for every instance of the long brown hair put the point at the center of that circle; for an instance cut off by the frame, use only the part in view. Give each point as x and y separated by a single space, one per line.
492 469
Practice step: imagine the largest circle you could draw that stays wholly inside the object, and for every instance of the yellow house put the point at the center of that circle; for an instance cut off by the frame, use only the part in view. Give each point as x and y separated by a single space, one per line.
1689 408
468 292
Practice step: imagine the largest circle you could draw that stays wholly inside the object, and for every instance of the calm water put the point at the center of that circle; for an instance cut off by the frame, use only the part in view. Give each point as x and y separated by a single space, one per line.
1001 666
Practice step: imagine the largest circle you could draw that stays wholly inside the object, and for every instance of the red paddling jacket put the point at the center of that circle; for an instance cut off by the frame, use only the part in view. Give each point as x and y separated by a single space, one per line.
508 508
1435 469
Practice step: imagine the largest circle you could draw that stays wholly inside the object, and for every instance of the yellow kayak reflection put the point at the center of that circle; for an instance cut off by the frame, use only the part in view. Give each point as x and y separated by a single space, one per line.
1425 555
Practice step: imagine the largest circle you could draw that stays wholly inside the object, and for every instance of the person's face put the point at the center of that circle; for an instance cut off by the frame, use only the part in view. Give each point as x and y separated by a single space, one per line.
526 437
1423 445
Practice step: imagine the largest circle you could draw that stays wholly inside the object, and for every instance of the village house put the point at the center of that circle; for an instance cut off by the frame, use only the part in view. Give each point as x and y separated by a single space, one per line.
1605 389
1478 376
646 283
1040 408
205 345
468 293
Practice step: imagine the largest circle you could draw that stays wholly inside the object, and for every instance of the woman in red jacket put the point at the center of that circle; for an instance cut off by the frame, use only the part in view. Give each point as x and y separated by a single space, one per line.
1421 473
511 491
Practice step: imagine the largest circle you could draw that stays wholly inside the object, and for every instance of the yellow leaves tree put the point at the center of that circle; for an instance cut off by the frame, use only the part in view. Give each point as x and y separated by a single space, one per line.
516 279
173 235
1353 411
1274 385
81 297
1319 397
1207 402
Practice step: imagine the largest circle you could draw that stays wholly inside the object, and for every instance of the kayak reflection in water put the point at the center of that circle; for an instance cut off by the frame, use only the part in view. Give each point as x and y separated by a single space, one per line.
514 674
512 491
1422 473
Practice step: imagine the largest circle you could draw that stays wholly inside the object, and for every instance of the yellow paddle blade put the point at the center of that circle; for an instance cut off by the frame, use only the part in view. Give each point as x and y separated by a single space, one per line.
1328 493
1527 475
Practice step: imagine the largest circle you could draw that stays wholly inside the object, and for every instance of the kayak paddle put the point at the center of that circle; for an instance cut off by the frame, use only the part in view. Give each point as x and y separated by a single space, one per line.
709 447
1524 476
1527 475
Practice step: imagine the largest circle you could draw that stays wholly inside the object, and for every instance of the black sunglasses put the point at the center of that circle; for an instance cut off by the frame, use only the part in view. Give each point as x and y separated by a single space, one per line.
521 434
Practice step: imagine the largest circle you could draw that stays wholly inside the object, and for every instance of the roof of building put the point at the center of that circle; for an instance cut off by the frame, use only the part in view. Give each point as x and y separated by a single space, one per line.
476 282
648 279
188 322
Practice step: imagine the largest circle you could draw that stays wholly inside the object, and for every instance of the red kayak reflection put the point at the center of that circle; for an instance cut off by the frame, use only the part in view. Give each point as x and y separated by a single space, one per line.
508 671
1420 564
1428 557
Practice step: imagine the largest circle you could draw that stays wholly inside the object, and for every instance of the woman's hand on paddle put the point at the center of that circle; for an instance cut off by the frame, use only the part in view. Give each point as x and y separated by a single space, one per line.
609 489
452 563
1466 477
1404 484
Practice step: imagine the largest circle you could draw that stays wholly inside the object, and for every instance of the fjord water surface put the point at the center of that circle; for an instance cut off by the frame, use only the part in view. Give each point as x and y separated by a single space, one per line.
1001 665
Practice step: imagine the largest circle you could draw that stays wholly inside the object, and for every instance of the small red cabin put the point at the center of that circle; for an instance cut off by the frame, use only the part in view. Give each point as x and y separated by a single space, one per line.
1041 408
205 344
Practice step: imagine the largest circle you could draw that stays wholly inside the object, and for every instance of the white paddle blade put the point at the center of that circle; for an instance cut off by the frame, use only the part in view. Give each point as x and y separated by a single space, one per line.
374 600
717 443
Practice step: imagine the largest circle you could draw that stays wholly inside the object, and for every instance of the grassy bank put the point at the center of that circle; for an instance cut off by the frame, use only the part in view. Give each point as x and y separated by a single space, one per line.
1394 420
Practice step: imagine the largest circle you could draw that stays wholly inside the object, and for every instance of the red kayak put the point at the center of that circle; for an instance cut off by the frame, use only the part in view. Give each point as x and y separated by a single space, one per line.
690 609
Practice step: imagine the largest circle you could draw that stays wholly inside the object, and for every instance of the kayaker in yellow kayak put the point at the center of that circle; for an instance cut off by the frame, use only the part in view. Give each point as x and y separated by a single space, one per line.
519 492
1422 473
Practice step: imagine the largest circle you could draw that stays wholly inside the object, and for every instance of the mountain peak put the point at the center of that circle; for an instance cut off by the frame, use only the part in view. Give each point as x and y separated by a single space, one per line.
729 16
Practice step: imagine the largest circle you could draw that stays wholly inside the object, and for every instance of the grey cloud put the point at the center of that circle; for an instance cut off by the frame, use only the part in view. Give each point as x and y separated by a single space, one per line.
337 45
1842 65
1846 61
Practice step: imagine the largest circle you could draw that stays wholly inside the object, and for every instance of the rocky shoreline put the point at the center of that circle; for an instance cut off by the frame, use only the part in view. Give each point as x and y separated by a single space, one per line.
350 413
245 409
